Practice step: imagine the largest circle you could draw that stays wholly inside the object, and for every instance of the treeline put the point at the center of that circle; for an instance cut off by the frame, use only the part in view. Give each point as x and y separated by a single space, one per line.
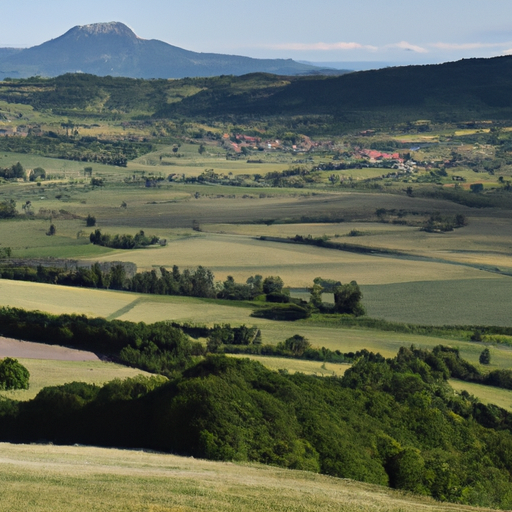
193 283
15 171
160 347
85 149
225 339
460 369
123 241
393 422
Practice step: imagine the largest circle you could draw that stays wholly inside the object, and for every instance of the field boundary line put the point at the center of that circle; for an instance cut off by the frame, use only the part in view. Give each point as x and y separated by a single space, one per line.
125 309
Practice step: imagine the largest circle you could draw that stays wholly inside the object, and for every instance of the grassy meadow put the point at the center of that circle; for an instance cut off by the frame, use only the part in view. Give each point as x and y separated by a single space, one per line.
48 372
62 478
486 394
135 307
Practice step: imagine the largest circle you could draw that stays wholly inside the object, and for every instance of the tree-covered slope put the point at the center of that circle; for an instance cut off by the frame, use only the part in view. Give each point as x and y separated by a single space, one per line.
464 90
393 422
476 87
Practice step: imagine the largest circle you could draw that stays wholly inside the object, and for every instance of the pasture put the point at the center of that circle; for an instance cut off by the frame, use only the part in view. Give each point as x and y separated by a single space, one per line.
152 308
50 478
49 372
486 394
297 264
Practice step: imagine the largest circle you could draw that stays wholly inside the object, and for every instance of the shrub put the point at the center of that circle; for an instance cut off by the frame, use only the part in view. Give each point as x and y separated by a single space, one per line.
13 375
485 356
282 312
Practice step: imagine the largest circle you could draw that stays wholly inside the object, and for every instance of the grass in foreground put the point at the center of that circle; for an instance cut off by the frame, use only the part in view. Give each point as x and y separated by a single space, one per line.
61 478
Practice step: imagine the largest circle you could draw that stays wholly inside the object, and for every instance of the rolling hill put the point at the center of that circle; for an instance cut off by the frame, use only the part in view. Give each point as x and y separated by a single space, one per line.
474 89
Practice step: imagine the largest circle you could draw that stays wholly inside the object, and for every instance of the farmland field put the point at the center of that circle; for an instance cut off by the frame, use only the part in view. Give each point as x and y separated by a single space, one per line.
426 233
296 264
47 372
454 302
62 478
148 308
486 394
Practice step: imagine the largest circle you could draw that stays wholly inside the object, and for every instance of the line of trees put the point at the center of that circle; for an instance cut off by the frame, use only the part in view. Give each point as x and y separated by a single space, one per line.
121 241
15 171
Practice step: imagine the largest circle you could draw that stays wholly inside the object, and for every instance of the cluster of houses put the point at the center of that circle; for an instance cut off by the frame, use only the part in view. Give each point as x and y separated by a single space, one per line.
237 142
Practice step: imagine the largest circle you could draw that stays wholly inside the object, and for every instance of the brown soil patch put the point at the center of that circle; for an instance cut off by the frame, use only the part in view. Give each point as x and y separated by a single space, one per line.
29 350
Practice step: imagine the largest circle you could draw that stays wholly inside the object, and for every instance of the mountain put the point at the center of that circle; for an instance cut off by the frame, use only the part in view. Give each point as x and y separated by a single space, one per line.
114 49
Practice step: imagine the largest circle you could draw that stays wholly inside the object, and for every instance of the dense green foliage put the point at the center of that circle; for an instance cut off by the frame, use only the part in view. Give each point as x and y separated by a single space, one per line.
477 88
122 241
393 422
85 149
287 312
8 209
14 171
159 347
13 375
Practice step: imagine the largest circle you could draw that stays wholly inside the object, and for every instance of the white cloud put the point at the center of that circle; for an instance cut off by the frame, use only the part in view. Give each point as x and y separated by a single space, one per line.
322 46
508 52
404 45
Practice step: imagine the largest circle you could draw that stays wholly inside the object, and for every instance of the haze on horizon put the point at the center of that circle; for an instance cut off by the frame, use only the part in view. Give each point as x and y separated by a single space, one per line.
398 32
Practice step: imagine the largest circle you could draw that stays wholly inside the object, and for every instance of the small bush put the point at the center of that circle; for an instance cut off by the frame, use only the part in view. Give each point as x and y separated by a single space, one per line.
13 375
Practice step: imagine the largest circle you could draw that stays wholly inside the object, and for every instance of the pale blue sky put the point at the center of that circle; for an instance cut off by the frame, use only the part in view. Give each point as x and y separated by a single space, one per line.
408 31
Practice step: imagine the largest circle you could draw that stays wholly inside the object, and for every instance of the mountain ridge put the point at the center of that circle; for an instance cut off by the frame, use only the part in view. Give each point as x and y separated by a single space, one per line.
114 49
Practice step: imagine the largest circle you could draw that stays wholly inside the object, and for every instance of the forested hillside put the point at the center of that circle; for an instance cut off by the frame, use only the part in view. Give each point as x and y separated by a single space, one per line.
463 90
394 422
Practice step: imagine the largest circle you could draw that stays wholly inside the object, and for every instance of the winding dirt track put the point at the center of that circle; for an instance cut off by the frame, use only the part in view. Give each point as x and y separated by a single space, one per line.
29 350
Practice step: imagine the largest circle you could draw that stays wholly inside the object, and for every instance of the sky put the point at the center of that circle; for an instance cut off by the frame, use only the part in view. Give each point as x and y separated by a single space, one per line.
391 31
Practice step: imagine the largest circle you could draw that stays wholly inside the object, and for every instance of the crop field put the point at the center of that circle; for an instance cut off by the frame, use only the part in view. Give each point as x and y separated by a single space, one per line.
454 302
147 308
62 478
485 240
60 299
486 394
297 264
299 366
47 372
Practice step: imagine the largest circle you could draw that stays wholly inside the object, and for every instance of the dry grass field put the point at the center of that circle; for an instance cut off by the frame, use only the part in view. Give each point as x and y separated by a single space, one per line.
244 256
485 240
147 308
46 478
299 366
47 372
486 394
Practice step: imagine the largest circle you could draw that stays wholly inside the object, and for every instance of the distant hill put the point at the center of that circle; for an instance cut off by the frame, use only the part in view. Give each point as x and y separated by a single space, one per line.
113 49
474 89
